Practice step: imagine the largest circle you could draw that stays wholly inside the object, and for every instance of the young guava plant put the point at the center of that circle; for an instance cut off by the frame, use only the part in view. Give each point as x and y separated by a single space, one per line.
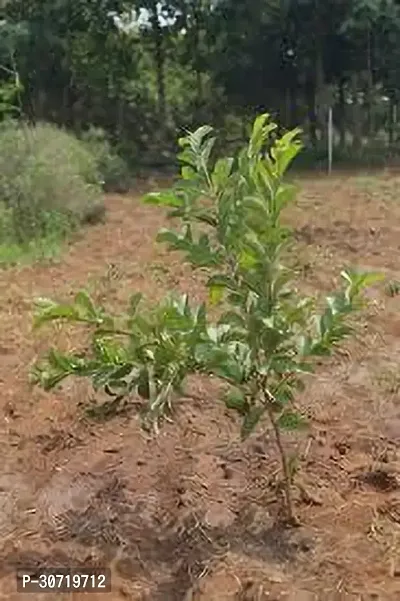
267 336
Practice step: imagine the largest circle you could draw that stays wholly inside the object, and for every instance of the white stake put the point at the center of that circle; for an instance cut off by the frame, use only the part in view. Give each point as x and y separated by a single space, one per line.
330 139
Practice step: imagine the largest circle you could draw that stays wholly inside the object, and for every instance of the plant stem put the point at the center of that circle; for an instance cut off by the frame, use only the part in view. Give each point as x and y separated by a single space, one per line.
108 331
285 466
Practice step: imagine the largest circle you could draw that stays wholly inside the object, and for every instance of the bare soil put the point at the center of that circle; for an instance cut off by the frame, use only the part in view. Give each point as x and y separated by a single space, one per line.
192 514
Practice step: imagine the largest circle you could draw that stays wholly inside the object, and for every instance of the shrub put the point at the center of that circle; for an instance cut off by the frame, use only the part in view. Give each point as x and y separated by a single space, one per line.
113 169
44 170
267 335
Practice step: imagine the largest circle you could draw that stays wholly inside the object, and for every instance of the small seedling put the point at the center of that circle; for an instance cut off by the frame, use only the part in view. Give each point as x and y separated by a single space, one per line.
393 288
267 336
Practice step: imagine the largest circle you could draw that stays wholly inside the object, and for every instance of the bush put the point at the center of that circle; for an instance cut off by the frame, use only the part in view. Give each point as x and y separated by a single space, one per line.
47 176
113 169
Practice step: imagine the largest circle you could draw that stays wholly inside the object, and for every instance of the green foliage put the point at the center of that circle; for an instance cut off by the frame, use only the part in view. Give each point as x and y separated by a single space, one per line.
48 183
267 336
148 353
141 70
112 168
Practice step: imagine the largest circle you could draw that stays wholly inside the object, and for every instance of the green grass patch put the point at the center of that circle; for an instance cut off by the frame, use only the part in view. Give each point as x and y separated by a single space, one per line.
55 229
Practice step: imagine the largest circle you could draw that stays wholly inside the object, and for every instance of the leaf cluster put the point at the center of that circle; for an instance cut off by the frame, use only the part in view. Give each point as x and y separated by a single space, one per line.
147 353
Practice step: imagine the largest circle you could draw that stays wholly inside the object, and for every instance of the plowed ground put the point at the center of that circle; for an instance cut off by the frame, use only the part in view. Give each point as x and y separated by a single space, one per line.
190 515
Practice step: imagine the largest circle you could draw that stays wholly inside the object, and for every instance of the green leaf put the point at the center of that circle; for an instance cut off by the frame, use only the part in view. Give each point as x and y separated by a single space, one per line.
282 365
257 205
220 175
251 421
134 302
247 259
291 420
319 349
215 334
109 350
260 132
122 372
235 399
222 281
197 138
163 199
206 217
82 299
167 236
233 319
304 345
47 378
285 195
285 150
220 360
188 173
358 281
215 294
51 311
206 150
60 361
283 394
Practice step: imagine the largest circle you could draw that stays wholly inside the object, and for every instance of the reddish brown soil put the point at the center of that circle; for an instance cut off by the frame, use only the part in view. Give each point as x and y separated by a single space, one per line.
190 515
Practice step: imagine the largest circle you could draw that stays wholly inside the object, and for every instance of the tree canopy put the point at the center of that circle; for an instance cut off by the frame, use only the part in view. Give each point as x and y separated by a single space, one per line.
142 70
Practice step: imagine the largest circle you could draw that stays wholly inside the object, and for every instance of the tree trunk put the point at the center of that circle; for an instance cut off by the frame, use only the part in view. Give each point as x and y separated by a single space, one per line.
120 117
342 115
312 113
313 90
288 110
318 75
66 117
370 83
392 118
159 61
319 82
197 51
358 111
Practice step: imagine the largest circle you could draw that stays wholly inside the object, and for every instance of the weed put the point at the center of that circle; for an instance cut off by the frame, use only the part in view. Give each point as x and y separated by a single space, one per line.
393 288
266 336
389 381
54 227
35 250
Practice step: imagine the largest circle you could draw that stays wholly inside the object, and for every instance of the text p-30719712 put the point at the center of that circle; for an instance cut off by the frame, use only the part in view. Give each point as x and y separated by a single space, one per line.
64 580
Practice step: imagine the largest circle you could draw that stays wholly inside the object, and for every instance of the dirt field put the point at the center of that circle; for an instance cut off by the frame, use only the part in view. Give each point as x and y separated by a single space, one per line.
190 516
